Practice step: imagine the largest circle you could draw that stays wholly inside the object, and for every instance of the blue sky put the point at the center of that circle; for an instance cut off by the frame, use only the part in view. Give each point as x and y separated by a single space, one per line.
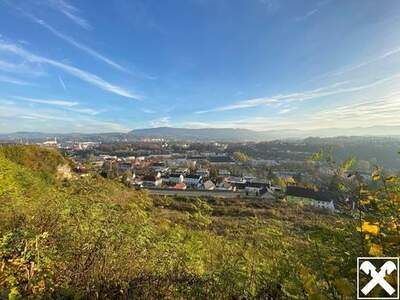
100 66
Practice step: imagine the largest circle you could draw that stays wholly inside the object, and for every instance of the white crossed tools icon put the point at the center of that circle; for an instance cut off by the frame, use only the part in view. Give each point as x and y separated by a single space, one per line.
378 277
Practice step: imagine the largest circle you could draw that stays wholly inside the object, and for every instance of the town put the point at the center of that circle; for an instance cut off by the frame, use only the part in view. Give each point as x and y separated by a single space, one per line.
216 169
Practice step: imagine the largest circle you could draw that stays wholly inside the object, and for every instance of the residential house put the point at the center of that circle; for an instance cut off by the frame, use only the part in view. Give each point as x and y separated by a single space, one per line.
255 189
319 199
159 167
152 181
205 173
235 180
225 186
209 185
193 180
175 178
249 177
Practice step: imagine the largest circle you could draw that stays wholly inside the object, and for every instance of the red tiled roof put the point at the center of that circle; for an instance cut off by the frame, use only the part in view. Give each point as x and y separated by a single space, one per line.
180 186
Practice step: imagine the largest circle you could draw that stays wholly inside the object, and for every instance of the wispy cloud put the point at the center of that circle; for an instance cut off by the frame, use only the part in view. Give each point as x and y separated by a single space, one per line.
381 111
87 111
85 48
13 110
148 111
78 45
66 104
22 68
307 15
271 5
52 120
12 80
285 111
360 65
334 89
161 122
74 71
62 83
254 102
56 102
70 11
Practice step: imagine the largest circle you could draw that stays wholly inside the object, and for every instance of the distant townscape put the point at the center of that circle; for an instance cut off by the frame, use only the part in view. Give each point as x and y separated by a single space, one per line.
266 170
209 215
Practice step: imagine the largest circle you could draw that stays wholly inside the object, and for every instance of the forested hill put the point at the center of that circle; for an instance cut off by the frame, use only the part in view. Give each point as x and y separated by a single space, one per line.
92 238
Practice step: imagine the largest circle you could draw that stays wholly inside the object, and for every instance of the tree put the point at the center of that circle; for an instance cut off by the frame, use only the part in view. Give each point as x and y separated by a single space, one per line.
240 156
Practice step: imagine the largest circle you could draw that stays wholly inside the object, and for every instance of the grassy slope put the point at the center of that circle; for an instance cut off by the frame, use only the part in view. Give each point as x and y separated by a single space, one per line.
92 237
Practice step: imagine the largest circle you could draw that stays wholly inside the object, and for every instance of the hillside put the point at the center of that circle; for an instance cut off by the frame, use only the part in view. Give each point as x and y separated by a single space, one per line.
217 134
93 238
237 134
204 134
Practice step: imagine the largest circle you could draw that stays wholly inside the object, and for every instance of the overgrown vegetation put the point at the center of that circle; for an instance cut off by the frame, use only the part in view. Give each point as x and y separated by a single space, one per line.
93 238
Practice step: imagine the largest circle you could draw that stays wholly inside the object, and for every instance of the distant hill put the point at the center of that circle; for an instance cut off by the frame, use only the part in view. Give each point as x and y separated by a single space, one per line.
205 134
41 136
218 134
237 134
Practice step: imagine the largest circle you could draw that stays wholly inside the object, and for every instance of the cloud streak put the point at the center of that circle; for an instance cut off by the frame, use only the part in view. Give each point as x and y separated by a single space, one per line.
78 45
57 102
70 11
12 80
52 120
334 89
161 122
354 67
381 111
74 71
62 83
69 105
307 15
22 69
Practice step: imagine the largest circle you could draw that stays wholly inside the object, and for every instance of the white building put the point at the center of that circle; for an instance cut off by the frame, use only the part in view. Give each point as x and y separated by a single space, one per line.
323 204
175 178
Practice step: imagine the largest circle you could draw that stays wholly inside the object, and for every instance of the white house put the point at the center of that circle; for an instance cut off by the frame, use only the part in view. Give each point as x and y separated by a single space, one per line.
175 178
319 199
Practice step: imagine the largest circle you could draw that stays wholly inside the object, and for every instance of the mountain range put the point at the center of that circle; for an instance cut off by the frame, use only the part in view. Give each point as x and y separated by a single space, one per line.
237 134
206 134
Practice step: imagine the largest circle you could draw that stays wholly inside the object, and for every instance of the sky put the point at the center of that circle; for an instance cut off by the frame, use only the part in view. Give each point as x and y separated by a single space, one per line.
117 65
